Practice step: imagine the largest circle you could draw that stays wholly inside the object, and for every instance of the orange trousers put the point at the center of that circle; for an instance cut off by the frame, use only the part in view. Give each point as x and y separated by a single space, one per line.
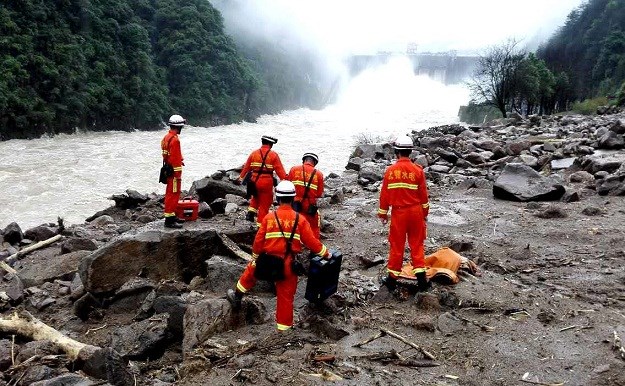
285 292
314 222
406 222
172 195
260 204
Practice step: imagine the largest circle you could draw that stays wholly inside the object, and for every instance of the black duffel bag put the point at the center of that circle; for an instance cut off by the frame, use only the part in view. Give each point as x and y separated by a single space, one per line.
269 267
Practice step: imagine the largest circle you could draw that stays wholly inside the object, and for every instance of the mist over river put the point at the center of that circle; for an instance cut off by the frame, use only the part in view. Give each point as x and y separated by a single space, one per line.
72 176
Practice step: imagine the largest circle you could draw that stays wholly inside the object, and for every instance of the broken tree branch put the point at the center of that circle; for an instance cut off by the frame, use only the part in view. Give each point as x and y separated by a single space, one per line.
31 248
103 363
233 248
409 343
371 339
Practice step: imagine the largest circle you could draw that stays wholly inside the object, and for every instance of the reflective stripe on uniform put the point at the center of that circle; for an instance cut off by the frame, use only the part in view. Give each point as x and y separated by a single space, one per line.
417 270
426 205
165 152
283 327
250 209
174 188
382 211
259 164
323 251
170 214
240 287
178 169
403 185
396 273
302 183
276 235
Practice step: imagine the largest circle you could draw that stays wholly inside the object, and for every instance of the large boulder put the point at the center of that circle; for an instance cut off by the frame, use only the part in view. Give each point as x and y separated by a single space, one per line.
372 171
13 234
62 267
209 189
157 254
520 182
142 340
611 140
222 273
39 233
604 162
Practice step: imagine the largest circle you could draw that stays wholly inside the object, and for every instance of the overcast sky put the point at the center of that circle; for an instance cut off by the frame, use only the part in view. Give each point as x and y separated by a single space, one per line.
363 26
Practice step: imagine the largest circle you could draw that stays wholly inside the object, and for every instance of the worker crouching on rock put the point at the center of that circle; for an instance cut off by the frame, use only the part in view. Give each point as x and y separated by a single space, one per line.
172 163
404 191
279 238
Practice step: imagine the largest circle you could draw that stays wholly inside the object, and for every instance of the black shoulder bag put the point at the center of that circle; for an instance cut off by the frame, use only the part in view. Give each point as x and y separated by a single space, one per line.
251 185
166 170
271 267
298 205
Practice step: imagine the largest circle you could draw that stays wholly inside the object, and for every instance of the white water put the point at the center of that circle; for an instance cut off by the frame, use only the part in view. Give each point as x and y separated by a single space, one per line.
72 175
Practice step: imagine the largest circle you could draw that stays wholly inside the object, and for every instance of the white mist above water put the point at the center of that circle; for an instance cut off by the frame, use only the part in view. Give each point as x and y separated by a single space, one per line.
72 175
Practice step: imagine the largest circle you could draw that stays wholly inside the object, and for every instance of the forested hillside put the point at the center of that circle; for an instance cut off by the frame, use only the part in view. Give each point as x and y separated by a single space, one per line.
590 48
116 64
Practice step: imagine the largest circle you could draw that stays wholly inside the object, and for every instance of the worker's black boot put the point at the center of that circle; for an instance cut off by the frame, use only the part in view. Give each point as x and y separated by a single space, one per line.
249 216
390 283
234 297
423 284
170 222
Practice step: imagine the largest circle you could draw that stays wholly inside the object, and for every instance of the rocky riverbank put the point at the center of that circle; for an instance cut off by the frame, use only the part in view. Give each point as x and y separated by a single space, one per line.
536 203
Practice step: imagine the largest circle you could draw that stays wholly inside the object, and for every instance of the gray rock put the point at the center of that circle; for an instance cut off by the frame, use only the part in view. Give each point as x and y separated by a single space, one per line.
529 160
131 295
487 144
158 253
447 155
208 317
222 273
142 340
205 211
57 267
601 175
36 347
218 206
175 307
371 171
618 126
564 163
131 199
422 160
612 185
231 208
145 218
39 233
439 169
218 175
74 244
208 189
611 140
592 211
12 233
354 163
12 287
519 182
37 373
103 220
581 177
516 147
337 197
76 288
234 199
570 196
70 379
474 158
6 350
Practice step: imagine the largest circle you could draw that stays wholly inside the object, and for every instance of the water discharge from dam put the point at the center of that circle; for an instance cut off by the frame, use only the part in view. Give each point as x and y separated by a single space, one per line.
72 176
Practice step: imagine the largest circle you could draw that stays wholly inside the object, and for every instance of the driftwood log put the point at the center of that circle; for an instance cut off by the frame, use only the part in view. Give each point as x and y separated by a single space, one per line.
102 363
11 259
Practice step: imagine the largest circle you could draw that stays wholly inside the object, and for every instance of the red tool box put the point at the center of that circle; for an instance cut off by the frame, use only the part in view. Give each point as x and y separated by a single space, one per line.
187 209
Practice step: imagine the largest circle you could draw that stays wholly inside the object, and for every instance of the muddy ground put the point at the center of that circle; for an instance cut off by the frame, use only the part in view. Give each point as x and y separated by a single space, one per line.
544 309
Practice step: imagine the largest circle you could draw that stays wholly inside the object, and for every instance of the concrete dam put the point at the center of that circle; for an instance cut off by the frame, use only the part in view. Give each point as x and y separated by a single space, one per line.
445 67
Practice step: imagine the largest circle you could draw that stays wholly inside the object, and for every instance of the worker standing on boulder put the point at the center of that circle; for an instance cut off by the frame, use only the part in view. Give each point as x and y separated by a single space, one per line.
404 190
279 238
258 174
308 183
173 163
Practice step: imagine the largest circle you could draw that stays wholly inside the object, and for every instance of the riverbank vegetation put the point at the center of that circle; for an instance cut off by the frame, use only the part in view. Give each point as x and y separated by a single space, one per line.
129 64
581 67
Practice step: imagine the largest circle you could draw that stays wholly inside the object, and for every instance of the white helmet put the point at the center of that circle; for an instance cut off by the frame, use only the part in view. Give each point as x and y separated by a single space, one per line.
269 138
285 189
404 142
311 155
176 121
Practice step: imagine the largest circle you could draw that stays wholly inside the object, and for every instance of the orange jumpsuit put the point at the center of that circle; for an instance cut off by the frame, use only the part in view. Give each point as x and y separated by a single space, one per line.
404 189
170 145
270 240
264 179
299 176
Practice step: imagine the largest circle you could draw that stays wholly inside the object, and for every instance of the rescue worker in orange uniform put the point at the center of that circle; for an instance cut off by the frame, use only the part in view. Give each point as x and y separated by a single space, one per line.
170 146
272 238
404 191
261 164
308 183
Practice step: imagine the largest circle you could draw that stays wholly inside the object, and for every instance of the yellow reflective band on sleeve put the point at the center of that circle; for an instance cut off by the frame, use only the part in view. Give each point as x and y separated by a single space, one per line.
254 256
178 169
303 184
382 211
277 235
403 185
174 187
417 270
396 273
172 214
250 209
323 250
165 152
240 287
426 205
283 327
